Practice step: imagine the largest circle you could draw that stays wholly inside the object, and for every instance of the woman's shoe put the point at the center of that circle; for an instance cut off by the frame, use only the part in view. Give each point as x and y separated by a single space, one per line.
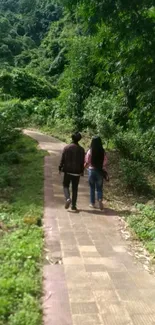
101 205
93 206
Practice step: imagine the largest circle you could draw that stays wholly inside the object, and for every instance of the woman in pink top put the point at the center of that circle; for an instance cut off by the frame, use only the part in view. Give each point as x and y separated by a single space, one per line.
96 161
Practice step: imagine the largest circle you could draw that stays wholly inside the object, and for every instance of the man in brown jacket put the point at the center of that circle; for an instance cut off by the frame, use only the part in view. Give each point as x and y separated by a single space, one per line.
72 164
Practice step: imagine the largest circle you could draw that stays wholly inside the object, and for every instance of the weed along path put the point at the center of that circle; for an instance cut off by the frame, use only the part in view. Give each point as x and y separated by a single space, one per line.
89 277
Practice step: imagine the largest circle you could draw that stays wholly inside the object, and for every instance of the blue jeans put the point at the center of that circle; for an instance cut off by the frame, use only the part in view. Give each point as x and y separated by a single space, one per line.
95 183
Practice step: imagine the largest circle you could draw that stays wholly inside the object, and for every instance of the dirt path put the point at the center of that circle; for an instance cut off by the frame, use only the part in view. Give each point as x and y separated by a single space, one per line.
94 280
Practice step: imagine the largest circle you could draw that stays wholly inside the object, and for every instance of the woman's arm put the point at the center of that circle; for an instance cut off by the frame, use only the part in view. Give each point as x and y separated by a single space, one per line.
87 159
105 161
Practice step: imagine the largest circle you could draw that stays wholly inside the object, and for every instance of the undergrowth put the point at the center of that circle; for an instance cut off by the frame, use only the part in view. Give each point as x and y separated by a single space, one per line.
143 223
21 235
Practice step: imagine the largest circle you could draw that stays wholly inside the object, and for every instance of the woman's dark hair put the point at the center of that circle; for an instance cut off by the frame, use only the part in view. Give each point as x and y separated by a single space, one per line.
97 152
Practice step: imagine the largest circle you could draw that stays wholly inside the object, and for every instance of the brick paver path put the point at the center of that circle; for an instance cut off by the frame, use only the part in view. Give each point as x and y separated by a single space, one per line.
98 282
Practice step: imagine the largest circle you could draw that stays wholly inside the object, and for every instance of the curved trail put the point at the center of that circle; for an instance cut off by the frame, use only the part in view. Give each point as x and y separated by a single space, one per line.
98 282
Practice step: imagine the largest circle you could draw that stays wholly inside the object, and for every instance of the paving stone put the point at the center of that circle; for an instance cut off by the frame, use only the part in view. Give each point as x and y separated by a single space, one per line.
72 260
54 273
84 241
84 308
68 241
114 308
81 294
143 319
90 254
67 234
104 252
122 280
57 317
95 268
116 320
139 307
101 281
55 293
71 251
77 277
129 294
72 269
148 294
88 249
143 279
94 260
106 296
88 319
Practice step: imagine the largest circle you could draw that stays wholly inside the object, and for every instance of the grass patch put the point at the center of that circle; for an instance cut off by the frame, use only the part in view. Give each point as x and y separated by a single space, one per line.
143 224
21 237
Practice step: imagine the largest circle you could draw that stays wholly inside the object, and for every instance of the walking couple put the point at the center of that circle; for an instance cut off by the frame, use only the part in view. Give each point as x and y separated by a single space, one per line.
74 161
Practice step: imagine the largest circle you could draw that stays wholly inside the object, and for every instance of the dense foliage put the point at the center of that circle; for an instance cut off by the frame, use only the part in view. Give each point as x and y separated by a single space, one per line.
69 64
99 54
83 64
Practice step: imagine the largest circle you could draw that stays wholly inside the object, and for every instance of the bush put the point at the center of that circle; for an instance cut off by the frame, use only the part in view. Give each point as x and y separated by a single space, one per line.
7 177
137 146
42 112
12 116
133 175
98 114
126 143
24 85
143 223
10 157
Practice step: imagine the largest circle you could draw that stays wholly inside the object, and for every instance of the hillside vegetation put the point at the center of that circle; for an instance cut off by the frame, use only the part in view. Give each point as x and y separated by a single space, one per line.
74 65
86 65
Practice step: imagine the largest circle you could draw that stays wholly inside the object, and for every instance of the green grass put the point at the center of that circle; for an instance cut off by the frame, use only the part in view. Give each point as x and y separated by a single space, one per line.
143 224
21 240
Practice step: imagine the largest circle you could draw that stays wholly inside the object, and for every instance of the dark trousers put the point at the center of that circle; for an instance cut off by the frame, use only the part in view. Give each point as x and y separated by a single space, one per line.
66 184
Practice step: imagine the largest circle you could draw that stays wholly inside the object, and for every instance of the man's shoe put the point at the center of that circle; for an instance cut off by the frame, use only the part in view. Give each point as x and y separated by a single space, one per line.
74 209
67 204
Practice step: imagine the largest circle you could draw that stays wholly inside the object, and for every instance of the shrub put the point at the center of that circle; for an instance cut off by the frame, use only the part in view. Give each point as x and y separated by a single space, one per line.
143 223
42 112
16 82
10 157
133 175
98 114
7 177
137 146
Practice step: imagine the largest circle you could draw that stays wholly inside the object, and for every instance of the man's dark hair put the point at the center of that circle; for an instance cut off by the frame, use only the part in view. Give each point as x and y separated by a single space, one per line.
76 137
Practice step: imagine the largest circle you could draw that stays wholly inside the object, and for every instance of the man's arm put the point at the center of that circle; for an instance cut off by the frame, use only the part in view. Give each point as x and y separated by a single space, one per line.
82 162
62 161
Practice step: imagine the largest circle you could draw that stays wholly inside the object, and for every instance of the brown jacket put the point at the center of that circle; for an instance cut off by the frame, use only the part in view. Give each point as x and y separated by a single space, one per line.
72 160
